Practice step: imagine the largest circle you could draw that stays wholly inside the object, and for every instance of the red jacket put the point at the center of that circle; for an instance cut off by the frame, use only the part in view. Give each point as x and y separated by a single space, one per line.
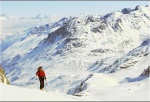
40 74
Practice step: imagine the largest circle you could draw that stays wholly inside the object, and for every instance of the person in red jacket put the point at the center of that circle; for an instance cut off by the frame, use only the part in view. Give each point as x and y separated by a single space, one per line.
41 74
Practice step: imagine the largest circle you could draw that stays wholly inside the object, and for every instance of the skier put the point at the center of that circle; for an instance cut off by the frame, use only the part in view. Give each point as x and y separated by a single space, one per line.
41 74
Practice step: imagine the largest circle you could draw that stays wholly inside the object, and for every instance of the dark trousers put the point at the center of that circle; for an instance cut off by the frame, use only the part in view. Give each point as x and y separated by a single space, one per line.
41 82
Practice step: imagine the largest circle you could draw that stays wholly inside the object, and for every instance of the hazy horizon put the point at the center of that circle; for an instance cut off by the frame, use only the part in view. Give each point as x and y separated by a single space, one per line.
64 8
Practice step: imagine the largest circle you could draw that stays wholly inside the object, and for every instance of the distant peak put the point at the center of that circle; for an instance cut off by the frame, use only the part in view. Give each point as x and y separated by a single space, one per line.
126 10
147 6
4 15
41 16
137 7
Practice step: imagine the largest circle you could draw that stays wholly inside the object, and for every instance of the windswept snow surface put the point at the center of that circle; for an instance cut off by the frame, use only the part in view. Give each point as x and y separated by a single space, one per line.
136 91
13 93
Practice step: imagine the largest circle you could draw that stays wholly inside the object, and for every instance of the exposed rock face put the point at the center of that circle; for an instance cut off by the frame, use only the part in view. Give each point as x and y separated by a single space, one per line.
3 78
146 72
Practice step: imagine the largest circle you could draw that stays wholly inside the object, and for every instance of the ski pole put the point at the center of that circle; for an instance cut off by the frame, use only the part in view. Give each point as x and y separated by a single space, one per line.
46 84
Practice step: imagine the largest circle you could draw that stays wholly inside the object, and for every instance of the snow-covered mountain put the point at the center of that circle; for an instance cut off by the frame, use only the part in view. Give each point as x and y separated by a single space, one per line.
132 67
131 59
15 25
37 17
74 48
6 17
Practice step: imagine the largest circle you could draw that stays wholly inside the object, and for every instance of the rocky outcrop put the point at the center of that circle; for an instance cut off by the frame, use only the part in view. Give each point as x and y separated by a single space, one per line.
146 72
3 77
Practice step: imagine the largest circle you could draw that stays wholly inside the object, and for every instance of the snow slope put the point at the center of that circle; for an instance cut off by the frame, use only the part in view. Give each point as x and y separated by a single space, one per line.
124 84
13 93
136 91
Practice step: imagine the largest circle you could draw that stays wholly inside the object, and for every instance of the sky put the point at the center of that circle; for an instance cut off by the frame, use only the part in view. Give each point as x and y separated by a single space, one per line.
33 8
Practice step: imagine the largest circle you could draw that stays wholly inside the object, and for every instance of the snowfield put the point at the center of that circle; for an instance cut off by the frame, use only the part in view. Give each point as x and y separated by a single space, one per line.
13 93
135 91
